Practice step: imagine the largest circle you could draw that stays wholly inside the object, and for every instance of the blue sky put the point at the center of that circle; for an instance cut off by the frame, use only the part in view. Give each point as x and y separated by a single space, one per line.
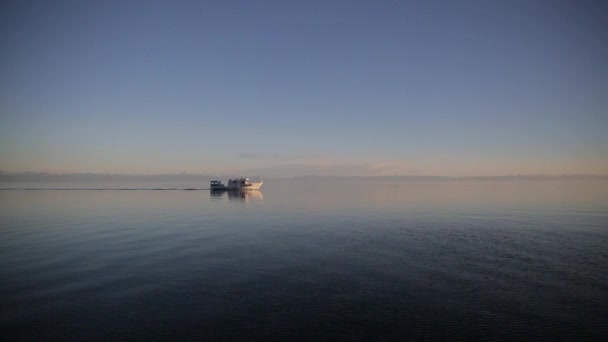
304 87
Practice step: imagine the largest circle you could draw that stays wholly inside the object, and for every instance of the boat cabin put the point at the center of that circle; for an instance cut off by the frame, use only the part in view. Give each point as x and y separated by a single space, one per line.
216 184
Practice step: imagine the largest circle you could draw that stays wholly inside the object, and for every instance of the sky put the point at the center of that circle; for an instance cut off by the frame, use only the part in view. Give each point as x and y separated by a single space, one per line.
288 88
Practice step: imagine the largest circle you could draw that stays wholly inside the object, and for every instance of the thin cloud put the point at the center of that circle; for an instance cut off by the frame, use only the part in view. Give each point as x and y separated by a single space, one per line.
250 155
286 157
324 167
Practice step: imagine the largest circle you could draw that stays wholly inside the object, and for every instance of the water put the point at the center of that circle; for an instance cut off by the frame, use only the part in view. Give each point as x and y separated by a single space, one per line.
314 260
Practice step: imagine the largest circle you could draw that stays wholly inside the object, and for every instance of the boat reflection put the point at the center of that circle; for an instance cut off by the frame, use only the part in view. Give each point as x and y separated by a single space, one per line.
243 196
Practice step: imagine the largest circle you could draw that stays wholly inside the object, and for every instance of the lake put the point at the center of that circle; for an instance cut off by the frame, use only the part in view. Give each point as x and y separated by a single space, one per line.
328 260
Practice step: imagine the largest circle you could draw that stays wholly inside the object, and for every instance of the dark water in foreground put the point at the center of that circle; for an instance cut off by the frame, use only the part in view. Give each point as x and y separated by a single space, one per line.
343 260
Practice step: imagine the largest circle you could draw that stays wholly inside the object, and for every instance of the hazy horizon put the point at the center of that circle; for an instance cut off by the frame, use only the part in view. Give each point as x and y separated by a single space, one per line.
281 89
88 176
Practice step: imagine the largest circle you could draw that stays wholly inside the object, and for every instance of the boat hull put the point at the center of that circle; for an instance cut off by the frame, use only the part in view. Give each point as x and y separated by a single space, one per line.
251 186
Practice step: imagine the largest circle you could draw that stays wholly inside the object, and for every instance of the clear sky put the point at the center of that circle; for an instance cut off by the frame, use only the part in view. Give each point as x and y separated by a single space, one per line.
283 88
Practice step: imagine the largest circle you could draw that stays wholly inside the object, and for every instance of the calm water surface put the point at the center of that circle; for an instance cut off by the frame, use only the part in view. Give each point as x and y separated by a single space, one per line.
314 260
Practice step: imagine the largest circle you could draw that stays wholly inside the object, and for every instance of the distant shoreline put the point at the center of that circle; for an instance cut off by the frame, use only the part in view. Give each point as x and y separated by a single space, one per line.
84 177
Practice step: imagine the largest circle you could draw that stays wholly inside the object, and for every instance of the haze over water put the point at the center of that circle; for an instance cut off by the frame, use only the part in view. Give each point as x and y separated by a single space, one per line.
312 259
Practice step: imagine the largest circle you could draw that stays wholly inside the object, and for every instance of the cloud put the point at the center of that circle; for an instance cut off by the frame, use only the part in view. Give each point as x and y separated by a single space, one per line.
324 166
286 157
321 166
250 155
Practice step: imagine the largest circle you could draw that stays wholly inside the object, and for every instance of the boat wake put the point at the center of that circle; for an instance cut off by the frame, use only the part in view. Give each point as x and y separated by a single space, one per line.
109 189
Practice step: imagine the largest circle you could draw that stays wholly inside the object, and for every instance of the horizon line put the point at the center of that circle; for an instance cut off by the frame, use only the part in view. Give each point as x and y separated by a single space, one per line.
43 173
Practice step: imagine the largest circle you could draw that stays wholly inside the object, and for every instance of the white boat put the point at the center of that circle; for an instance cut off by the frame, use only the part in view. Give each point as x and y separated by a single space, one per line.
241 183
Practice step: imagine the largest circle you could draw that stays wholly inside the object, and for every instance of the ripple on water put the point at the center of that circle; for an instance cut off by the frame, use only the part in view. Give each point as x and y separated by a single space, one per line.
135 265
